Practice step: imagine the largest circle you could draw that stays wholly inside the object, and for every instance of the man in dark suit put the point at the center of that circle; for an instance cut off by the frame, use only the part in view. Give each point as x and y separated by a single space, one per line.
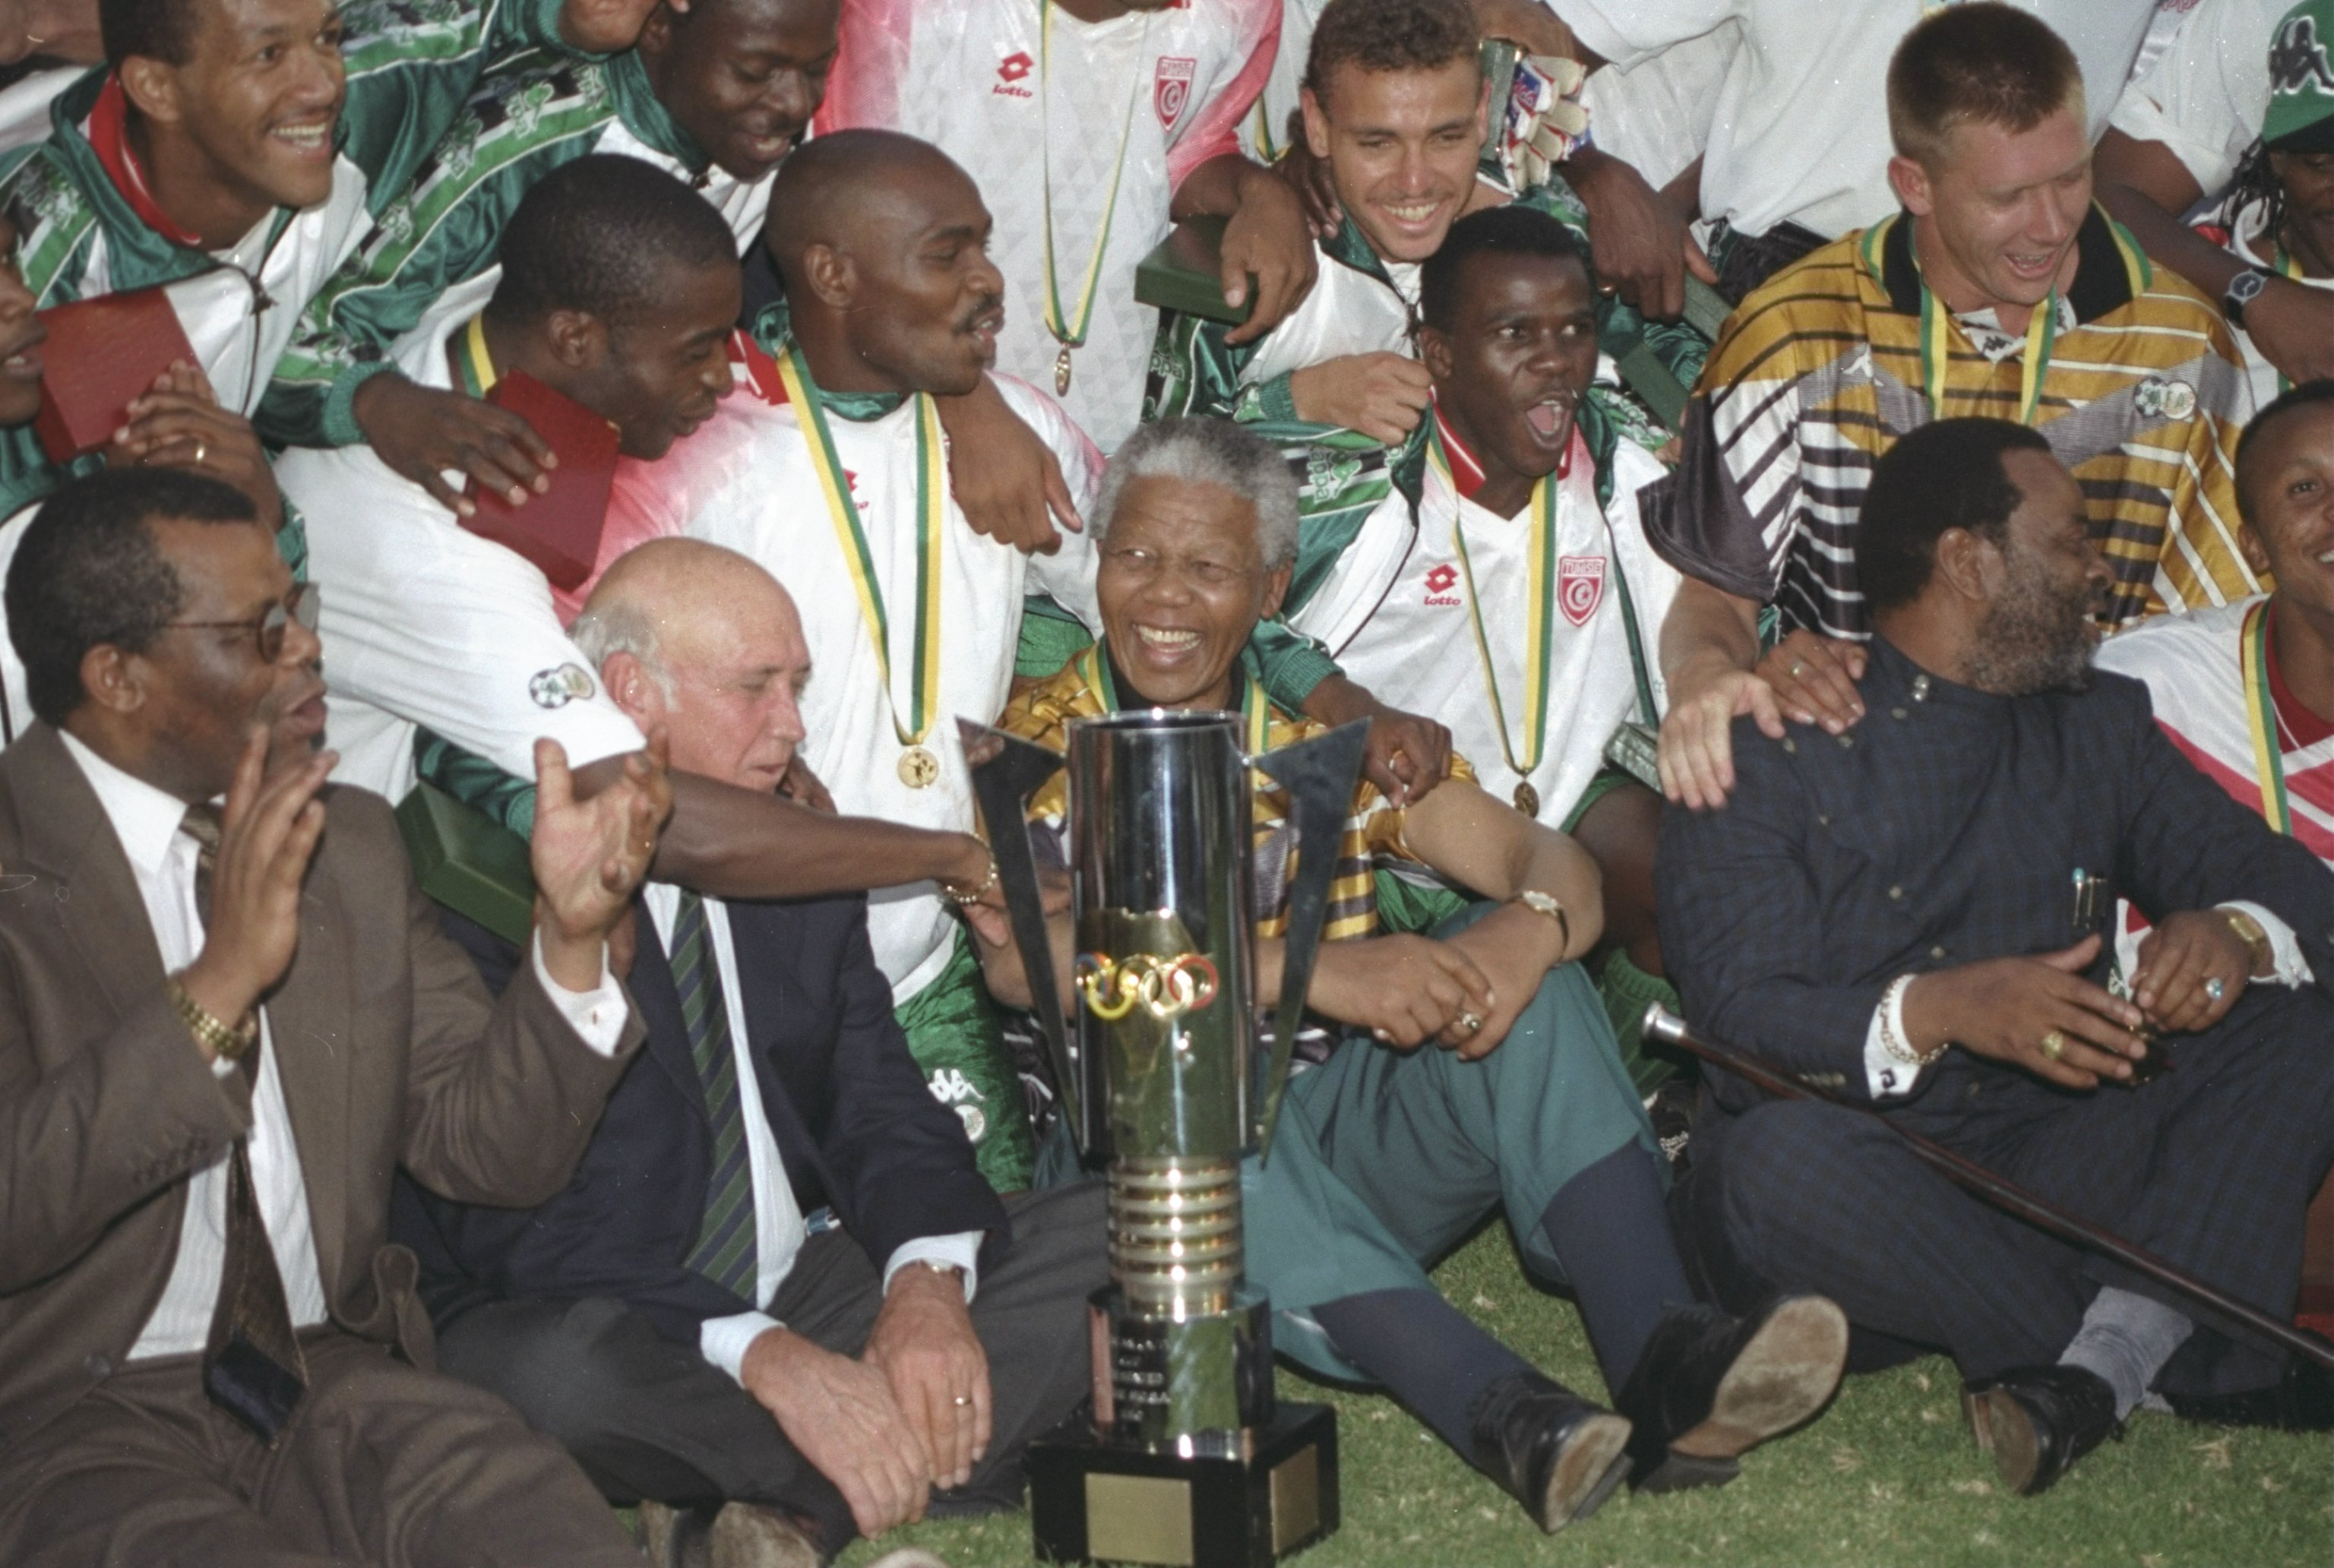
219 1032
685 1316
1911 913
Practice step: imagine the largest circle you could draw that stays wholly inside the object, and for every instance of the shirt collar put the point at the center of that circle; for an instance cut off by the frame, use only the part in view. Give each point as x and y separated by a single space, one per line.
145 819
2110 271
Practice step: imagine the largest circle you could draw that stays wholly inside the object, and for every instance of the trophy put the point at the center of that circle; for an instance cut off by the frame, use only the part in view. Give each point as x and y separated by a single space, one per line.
1187 1459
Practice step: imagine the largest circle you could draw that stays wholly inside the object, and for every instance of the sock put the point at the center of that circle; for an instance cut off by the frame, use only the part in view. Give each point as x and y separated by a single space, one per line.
2127 1339
1611 1231
1432 1356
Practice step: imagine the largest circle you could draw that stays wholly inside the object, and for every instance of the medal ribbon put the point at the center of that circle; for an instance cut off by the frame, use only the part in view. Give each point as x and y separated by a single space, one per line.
2261 717
1056 320
474 364
2041 335
2287 267
1540 633
1094 669
931 500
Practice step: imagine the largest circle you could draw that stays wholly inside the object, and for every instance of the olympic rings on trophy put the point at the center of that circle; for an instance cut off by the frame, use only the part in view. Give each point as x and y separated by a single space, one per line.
1165 987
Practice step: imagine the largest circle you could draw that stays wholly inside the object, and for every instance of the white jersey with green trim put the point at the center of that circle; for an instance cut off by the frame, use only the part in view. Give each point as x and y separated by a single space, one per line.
1394 614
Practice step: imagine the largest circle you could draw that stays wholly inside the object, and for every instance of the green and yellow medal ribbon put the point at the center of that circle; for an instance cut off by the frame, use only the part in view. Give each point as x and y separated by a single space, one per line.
1256 708
932 519
2287 267
474 364
1540 600
1936 340
2261 717
1057 321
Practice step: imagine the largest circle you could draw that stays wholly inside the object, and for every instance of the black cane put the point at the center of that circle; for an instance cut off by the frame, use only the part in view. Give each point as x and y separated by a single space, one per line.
1669 1029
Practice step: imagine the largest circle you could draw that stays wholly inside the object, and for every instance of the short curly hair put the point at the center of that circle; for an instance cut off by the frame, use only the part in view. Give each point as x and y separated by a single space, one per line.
1382 35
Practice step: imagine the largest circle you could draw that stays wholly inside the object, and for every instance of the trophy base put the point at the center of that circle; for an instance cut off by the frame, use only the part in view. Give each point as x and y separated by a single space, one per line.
1090 1502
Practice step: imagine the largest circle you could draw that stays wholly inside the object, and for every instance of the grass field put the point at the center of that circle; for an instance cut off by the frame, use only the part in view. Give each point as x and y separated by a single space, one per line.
1887 1478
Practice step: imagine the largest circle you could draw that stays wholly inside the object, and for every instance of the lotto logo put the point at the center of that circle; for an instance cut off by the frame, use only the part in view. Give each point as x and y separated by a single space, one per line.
1009 72
1439 581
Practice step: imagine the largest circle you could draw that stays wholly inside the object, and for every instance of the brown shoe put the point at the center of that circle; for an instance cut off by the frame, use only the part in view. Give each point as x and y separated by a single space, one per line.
675 1538
749 1536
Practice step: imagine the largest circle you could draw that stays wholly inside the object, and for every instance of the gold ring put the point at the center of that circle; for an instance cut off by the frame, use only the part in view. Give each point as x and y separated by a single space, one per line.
1471 1024
2054 1044
964 1399
202 450
1797 666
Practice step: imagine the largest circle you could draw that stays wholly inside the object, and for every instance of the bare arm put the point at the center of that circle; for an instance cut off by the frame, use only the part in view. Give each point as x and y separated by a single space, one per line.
1267 237
1463 833
1710 647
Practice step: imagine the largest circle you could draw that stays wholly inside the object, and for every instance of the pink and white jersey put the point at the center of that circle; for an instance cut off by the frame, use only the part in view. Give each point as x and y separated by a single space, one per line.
970 76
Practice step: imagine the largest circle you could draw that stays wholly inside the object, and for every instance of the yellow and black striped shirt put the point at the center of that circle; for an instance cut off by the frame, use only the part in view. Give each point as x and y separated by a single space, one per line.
1821 371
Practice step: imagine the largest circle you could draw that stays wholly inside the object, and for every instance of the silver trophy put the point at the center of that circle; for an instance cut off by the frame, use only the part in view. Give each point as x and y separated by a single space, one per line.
1187 1460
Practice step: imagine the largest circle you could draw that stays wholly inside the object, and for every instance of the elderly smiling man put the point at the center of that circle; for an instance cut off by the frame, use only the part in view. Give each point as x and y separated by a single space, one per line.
1387 1155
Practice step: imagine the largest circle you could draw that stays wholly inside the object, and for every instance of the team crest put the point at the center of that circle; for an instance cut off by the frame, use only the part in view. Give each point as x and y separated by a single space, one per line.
1580 587
1172 94
2158 398
558 688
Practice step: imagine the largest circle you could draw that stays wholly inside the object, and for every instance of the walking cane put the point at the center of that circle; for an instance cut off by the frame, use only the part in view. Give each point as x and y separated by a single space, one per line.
1665 1027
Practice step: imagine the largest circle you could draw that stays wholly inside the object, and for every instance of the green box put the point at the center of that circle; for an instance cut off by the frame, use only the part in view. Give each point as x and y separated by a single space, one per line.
1185 272
468 862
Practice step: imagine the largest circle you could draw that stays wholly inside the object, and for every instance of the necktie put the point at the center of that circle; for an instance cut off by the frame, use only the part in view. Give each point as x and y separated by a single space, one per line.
724 1249
251 1366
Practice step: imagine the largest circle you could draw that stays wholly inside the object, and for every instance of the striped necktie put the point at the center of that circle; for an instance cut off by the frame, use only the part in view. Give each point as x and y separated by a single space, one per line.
724 1250
252 1364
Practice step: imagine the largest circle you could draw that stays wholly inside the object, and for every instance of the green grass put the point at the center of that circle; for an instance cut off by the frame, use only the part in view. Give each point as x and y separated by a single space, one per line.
1888 1478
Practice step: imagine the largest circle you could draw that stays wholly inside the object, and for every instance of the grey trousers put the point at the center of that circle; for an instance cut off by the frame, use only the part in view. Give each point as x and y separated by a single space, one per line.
649 1417
381 1465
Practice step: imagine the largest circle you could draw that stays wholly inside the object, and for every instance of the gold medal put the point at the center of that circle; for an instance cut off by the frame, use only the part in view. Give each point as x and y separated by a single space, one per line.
1066 331
1062 372
918 767
1528 800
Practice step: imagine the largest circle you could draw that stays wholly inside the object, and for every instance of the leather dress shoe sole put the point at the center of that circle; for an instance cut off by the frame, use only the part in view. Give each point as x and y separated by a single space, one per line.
1782 1377
1590 1468
2007 1434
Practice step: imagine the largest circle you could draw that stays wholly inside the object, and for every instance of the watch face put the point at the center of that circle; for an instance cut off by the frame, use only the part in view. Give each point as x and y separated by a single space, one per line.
2245 285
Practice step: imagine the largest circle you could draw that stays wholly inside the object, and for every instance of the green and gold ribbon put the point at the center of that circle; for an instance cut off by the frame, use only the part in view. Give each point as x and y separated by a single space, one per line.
2261 717
1540 600
1056 319
2042 336
1256 708
2288 266
474 364
931 520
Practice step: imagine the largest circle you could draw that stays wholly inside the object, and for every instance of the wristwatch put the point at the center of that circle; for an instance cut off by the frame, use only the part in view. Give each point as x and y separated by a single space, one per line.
2262 951
2241 290
1547 904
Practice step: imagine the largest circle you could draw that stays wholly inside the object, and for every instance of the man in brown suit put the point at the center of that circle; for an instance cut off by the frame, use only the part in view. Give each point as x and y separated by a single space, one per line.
219 1034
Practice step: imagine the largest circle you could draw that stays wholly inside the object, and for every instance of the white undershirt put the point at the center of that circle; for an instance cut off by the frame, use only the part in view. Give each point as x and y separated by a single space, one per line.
146 821
778 1230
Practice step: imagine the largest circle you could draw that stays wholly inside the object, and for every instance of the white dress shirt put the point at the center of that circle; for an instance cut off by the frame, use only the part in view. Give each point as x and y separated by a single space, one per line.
1888 1076
779 1229
146 821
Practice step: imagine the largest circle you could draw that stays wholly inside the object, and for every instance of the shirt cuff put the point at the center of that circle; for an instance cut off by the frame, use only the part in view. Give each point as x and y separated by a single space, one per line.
1887 1074
961 1250
724 1341
596 1015
2292 969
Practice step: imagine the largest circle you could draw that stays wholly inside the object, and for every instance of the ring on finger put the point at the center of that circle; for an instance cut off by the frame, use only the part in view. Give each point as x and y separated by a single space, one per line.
2215 989
2054 1044
202 450
963 1399
1798 667
1469 1023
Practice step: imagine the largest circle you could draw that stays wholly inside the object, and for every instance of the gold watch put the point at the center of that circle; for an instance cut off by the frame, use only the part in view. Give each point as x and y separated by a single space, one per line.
2249 931
229 1043
1547 904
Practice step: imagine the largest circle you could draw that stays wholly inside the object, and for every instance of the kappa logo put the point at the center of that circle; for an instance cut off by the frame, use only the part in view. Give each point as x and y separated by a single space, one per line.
1579 586
1171 94
952 1089
1440 580
558 688
1009 72
2297 57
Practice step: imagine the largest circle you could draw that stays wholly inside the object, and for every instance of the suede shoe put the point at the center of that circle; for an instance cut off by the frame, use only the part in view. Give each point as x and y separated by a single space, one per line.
1709 1387
2037 1421
1551 1451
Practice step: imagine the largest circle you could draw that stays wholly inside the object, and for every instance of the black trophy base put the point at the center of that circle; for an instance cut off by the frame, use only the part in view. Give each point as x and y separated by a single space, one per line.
1091 1503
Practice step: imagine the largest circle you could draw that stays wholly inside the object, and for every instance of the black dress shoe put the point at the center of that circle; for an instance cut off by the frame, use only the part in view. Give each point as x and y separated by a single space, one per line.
2037 1421
2300 1401
1553 1452
1709 1387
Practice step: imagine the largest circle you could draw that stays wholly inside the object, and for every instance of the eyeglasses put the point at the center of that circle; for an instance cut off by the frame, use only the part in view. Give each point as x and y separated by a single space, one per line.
303 605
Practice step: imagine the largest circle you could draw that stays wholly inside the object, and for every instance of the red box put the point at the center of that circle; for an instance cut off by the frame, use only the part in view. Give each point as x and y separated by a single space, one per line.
101 353
558 529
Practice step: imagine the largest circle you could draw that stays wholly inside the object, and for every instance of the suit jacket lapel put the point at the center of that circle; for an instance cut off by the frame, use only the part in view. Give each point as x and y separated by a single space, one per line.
659 1000
771 1002
307 1020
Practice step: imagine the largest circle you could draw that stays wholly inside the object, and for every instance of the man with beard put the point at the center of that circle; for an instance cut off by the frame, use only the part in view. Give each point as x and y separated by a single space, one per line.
1910 914
2001 289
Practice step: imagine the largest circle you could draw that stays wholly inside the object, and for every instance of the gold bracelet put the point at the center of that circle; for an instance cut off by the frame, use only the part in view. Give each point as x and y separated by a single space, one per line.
975 894
229 1042
1547 904
1892 1000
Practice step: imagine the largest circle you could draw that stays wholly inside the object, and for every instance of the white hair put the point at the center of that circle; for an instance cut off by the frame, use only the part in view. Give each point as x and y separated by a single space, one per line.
1208 452
620 626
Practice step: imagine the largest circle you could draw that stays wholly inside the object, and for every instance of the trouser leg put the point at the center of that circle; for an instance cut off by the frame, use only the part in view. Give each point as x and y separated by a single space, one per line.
1798 1196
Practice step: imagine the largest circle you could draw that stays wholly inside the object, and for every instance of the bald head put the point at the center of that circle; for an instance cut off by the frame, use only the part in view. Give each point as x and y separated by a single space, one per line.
704 642
882 241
